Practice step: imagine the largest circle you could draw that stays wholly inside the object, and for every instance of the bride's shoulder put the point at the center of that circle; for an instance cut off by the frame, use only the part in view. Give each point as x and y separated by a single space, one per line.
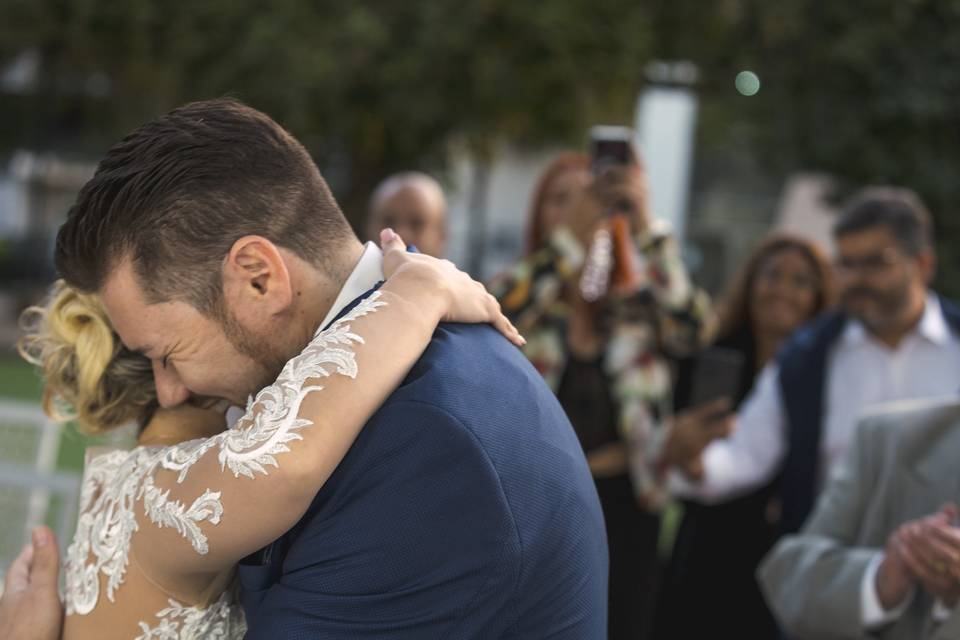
100 459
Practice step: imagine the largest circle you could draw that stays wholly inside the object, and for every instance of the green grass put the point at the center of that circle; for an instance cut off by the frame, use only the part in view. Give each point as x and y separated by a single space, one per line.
20 381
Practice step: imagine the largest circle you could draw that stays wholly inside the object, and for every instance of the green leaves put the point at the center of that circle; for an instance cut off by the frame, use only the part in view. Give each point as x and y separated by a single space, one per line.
371 84
868 91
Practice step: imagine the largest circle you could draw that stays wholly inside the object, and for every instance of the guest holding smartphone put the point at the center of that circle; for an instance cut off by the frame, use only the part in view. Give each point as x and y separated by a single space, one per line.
784 283
609 358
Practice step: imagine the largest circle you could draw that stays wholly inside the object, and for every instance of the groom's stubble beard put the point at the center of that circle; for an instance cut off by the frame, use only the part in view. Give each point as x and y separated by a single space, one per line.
268 356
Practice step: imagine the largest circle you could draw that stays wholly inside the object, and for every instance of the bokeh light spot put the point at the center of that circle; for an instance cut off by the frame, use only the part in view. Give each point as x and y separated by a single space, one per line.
747 83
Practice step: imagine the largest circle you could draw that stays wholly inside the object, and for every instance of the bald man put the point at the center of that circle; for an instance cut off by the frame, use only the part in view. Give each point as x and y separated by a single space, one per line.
413 205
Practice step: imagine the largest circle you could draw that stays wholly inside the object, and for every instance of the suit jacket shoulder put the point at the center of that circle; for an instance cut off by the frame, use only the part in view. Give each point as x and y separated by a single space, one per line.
465 508
901 466
922 432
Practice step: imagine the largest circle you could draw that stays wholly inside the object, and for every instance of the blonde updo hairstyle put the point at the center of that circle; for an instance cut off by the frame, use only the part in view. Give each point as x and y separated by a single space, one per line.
89 375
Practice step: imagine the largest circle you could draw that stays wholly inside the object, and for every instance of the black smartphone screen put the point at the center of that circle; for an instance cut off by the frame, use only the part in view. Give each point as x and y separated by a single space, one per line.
716 375
609 147
609 153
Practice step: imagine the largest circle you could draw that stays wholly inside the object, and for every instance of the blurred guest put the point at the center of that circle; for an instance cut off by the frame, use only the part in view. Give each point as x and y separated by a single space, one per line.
880 556
785 282
892 339
608 360
413 205
554 197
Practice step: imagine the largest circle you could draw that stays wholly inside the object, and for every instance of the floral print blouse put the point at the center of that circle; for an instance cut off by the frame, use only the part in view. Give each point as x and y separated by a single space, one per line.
646 331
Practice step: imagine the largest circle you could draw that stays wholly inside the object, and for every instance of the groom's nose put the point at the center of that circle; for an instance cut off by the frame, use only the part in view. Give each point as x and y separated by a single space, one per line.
170 389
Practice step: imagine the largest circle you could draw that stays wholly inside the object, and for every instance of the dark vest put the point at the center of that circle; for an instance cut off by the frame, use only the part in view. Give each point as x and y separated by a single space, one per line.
803 378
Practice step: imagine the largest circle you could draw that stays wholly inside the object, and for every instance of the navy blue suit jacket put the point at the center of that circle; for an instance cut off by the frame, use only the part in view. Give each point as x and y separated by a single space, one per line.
465 509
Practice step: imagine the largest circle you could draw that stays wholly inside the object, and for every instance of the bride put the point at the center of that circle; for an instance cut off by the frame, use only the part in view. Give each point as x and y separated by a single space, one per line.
162 526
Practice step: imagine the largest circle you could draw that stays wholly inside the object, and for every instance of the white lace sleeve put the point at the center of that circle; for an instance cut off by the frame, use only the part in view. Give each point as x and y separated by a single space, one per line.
171 503
218 499
272 418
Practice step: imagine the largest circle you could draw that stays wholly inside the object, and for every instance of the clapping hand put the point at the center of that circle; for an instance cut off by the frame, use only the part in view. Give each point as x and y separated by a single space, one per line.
930 549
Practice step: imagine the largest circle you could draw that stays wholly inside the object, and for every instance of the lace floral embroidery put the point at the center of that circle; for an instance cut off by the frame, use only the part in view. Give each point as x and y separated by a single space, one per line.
222 620
170 513
103 531
271 420
114 482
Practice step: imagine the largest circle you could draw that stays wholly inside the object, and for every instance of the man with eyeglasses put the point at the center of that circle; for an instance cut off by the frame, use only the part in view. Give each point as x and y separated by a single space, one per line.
891 339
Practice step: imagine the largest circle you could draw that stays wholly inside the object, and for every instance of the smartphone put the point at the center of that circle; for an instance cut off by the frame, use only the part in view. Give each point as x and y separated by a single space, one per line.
716 374
610 147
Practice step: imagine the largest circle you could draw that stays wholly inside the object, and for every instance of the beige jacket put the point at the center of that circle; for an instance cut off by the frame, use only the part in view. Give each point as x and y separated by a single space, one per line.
904 464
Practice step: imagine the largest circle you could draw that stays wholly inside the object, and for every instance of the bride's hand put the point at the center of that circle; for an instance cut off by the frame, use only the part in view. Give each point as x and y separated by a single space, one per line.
463 299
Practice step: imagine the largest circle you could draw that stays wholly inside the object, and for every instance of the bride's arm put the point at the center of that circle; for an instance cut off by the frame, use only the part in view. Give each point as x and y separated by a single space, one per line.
211 502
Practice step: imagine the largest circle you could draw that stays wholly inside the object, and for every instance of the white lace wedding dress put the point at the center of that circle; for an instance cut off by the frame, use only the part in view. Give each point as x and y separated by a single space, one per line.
161 528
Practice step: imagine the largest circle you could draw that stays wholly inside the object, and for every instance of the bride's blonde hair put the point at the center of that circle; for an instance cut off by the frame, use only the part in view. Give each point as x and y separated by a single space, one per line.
89 375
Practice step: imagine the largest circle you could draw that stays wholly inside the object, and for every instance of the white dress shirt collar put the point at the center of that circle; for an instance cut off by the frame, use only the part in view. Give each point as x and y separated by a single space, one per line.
932 326
365 276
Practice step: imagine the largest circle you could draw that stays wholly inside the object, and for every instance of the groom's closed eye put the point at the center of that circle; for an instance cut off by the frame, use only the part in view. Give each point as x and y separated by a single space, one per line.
145 351
166 357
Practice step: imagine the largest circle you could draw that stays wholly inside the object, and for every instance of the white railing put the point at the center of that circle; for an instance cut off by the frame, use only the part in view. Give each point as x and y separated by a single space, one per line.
32 491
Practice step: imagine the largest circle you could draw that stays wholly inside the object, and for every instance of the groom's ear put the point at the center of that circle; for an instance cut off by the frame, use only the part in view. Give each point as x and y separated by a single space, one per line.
255 273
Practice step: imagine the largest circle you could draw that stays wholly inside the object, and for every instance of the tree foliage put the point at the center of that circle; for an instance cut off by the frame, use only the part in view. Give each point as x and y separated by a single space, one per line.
868 91
368 85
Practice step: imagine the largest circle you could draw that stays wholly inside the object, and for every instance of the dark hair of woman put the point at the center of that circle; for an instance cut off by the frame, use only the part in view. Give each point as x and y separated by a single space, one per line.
734 316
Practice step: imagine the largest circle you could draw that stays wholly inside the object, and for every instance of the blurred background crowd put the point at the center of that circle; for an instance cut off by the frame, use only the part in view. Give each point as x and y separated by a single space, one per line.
754 253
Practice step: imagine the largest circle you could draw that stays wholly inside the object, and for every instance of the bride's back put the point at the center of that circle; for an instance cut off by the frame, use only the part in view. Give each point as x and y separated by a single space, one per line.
109 594
91 378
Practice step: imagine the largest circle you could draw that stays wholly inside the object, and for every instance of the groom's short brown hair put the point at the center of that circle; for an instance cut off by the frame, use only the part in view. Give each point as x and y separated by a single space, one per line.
174 195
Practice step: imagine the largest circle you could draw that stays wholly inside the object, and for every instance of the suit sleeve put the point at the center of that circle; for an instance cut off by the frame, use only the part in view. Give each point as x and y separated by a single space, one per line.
812 580
415 541
949 629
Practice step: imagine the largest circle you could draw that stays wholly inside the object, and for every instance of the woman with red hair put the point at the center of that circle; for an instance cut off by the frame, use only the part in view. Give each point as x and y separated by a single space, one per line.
556 192
785 282
606 349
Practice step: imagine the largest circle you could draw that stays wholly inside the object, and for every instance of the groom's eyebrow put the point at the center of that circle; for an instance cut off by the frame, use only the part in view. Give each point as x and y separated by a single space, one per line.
144 350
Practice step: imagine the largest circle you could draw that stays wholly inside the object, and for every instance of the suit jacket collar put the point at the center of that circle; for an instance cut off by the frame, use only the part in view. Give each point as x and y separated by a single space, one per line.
931 449
364 277
272 554
353 303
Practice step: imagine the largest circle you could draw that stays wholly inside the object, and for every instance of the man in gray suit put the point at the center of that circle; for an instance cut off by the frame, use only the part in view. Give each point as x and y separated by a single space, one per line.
880 556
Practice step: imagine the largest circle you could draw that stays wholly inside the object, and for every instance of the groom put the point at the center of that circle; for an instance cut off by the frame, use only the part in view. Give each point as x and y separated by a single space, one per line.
465 509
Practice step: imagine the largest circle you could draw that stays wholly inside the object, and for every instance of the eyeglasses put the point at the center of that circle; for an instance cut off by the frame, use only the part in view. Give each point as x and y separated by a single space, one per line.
782 277
870 264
